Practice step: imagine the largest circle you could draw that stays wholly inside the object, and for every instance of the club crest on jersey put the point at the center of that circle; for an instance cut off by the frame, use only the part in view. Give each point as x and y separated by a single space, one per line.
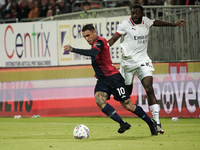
97 44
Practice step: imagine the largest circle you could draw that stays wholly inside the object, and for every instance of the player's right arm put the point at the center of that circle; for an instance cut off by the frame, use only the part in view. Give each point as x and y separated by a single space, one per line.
86 52
114 38
121 30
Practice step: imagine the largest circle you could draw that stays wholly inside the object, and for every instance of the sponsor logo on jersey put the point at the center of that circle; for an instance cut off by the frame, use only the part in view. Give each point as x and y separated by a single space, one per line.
141 37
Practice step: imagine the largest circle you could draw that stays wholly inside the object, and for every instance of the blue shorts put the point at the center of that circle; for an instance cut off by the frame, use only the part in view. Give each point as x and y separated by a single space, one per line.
113 85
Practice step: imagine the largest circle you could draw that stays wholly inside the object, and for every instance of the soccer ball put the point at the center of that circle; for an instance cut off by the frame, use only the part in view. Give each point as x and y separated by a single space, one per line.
81 132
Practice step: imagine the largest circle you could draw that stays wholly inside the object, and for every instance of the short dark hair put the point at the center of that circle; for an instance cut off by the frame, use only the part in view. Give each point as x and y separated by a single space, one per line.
138 6
89 27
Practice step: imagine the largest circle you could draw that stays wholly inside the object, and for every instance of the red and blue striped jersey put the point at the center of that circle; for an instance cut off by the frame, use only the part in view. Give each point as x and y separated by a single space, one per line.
102 63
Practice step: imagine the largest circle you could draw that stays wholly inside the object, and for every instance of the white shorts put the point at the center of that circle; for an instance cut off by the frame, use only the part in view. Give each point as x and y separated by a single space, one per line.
143 70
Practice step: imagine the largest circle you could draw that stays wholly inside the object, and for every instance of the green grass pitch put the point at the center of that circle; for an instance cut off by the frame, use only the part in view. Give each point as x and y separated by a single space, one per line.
56 133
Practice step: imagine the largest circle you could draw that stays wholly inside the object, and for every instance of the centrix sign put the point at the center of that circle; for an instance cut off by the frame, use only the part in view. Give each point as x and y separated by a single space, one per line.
28 44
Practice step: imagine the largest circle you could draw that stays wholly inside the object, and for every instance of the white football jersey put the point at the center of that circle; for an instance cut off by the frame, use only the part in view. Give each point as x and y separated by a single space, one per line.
134 38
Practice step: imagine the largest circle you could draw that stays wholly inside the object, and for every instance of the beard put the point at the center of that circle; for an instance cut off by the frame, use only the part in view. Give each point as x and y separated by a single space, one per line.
137 20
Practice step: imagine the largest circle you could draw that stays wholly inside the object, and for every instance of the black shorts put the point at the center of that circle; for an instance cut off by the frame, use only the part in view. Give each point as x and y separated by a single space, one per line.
113 85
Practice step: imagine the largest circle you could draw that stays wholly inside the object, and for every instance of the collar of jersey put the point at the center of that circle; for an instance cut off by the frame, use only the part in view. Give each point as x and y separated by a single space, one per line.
134 23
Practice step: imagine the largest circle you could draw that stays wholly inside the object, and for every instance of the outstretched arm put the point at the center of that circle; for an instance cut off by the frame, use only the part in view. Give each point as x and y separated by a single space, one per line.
86 52
180 23
113 39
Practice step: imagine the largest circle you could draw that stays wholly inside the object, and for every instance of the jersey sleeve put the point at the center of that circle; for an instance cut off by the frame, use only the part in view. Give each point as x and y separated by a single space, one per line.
99 45
148 21
86 52
121 28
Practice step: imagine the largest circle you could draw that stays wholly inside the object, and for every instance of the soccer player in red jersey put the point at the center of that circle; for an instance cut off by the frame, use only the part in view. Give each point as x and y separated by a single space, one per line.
109 80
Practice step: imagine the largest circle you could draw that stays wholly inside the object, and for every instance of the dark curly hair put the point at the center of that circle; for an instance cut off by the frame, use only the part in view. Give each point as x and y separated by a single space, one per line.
138 6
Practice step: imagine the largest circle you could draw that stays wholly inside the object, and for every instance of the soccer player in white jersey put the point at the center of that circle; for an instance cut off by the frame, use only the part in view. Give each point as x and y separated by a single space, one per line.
135 60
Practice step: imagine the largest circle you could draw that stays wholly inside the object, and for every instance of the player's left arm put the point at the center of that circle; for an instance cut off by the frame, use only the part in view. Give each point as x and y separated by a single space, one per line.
180 23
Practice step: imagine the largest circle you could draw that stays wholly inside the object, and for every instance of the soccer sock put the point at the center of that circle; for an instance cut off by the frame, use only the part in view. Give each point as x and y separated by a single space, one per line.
140 113
110 112
155 112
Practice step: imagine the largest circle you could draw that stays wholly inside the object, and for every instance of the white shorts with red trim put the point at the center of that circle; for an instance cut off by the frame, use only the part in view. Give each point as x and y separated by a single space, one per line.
141 69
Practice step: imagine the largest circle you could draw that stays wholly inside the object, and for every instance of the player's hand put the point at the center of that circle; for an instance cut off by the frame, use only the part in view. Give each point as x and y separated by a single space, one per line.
181 23
68 48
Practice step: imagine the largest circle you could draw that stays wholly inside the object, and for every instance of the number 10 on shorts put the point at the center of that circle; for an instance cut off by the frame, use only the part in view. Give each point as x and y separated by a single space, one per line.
121 91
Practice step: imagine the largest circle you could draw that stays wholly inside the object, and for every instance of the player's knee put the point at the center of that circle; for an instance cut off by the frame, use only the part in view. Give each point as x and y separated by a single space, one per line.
100 101
128 105
97 99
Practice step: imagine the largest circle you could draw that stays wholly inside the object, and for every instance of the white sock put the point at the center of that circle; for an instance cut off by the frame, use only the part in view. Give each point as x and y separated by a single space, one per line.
155 112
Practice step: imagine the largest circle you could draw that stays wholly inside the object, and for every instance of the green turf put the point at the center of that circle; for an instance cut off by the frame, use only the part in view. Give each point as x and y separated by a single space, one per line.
56 134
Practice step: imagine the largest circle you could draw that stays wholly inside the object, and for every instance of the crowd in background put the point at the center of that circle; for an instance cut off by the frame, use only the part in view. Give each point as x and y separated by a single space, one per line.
45 8
167 2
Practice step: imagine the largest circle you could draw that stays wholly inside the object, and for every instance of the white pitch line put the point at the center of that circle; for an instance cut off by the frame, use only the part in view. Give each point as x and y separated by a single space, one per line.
90 123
